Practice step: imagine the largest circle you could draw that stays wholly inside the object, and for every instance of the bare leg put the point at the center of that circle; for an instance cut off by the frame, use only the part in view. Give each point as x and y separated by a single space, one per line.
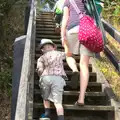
72 64
47 109
70 60
84 76
60 111
46 104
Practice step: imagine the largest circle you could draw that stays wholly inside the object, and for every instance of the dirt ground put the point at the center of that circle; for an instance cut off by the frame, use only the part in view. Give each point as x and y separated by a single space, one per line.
5 107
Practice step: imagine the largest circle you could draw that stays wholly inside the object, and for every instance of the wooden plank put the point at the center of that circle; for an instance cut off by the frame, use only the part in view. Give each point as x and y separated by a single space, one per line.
47 32
112 58
90 84
47 26
69 97
86 107
111 30
44 23
48 36
22 100
76 93
47 20
66 67
45 29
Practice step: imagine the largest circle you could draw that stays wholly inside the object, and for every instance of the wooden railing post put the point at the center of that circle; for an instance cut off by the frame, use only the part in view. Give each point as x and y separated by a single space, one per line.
26 77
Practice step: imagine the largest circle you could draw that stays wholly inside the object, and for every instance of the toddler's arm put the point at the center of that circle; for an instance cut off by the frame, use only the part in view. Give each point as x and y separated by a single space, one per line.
40 66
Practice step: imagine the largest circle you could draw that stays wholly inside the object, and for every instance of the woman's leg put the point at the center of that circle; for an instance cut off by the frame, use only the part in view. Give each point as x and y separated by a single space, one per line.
72 63
84 76
70 60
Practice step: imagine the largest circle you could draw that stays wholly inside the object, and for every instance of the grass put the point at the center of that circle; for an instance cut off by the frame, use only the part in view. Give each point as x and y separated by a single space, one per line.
110 73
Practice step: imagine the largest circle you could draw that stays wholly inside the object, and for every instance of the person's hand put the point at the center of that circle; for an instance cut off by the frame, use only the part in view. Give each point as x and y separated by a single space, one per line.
68 54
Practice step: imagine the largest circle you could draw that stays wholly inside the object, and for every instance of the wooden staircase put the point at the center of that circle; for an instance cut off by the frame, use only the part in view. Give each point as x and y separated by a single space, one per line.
97 105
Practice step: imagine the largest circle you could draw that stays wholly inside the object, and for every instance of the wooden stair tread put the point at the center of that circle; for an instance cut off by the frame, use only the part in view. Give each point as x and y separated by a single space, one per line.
92 78
47 33
44 25
48 36
65 64
74 93
68 72
92 84
86 107
43 19
66 67
38 55
45 29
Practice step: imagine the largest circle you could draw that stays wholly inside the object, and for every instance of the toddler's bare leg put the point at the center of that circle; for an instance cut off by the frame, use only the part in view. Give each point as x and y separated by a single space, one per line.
60 111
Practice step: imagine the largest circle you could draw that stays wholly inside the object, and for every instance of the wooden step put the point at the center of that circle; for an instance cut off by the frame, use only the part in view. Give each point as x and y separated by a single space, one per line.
87 112
78 114
44 13
43 26
66 67
92 75
47 33
76 93
45 29
85 108
43 19
44 23
54 40
92 86
45 16
48 36
76 57
40 21
69 97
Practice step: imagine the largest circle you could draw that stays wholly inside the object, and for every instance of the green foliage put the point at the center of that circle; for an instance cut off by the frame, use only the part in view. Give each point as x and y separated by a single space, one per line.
11 26
111 11
5 5
117 10
6 81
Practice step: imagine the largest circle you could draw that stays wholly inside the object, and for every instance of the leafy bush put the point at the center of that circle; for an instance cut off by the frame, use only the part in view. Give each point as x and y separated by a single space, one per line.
111 11
6 81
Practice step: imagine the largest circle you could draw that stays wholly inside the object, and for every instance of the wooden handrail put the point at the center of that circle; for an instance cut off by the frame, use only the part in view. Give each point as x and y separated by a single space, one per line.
111 30
23 93
116 35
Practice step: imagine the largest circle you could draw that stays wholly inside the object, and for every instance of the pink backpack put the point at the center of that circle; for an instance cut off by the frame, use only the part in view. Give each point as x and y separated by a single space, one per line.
89 34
